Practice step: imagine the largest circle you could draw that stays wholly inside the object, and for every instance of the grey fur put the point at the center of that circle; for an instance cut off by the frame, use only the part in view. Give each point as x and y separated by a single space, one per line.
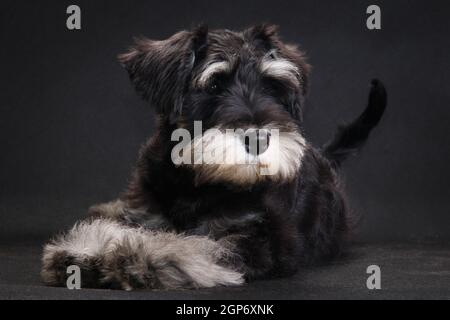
121 211
113 209
113 255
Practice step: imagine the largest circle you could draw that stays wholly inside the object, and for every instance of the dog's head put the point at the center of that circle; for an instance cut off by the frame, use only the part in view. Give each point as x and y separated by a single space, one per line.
249 82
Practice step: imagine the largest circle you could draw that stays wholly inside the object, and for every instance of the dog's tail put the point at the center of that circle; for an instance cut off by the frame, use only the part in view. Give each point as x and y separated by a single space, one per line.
351 137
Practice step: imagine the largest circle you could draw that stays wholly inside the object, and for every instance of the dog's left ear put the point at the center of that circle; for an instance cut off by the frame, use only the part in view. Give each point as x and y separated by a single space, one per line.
295 55
161 70
266 35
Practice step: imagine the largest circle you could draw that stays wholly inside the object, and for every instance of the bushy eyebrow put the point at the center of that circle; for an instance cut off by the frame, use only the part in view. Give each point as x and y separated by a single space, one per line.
281 68
211 69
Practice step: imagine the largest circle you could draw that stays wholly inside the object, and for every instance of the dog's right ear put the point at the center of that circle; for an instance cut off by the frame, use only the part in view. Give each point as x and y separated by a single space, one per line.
161 70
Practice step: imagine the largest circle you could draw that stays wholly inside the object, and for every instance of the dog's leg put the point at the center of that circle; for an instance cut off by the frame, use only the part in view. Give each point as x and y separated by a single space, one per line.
248 236
269 254
116 256
113 209
137 217
84 246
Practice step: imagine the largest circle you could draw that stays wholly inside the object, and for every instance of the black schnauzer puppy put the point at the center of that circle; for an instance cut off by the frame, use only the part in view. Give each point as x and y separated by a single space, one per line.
188 222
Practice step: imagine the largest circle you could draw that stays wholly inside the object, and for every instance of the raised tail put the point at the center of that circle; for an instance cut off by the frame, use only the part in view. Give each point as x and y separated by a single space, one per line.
351 137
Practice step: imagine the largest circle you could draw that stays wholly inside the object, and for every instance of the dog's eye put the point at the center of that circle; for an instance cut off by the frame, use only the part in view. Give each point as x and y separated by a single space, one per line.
215 85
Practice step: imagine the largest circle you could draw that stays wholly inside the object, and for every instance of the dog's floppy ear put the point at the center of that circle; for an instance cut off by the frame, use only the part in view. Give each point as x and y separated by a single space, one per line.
161 70
296 56
264 33
267 36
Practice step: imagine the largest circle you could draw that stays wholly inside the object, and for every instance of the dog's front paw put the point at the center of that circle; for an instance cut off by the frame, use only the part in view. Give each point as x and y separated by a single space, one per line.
55 264
168 261
127 267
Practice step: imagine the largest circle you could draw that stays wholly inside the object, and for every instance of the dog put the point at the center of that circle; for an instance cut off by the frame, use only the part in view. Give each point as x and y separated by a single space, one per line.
199 224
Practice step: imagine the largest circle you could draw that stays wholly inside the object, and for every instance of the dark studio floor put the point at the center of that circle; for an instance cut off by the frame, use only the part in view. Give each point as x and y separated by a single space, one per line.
407 272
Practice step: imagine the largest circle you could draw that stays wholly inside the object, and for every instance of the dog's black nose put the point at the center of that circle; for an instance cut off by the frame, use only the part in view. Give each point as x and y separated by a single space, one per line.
257 141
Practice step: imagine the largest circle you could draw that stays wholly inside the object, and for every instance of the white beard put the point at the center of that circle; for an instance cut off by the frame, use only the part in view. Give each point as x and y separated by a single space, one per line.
219 156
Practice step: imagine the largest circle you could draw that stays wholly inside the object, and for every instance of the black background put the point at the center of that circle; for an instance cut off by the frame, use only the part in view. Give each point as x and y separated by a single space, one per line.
71 125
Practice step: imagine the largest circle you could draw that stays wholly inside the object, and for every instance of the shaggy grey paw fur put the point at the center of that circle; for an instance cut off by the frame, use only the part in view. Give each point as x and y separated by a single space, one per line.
111 255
